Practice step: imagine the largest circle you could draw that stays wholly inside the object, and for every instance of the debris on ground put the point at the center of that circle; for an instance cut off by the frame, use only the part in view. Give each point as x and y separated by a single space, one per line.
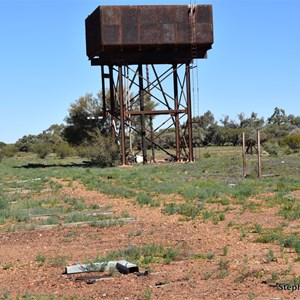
123 266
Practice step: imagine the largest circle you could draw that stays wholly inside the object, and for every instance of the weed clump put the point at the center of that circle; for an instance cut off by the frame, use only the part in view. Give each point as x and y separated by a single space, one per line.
144 199
143 256
191 210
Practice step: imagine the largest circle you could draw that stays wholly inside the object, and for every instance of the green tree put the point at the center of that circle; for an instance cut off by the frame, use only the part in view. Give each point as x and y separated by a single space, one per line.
79 126
25 143
278 117
52 136
252 122
294 120
208 128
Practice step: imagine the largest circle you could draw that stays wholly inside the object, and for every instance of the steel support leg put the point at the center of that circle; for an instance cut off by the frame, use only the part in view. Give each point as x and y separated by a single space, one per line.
189 111
112 103
122 115
103 92
142 108
176 107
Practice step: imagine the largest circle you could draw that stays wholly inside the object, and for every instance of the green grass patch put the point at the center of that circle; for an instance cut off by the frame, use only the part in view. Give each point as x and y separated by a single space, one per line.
144 255
215 179
191 210
276 235
208 256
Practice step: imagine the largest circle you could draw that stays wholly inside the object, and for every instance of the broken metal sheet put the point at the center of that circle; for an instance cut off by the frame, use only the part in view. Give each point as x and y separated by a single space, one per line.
125 267
93 267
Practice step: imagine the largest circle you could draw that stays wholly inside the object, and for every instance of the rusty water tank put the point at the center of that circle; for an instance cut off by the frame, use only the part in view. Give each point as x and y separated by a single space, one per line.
148 33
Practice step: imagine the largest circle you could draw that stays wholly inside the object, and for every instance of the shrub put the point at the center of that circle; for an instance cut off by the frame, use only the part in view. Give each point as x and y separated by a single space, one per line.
144 199
102 152
271 148
191 210
3 203
9 150
145 255
63 149
206 155
292 140
42 149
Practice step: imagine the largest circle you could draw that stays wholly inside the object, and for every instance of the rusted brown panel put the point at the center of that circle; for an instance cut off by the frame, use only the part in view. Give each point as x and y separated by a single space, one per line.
203 33
110 25
129 15
129 25
168 23
182 28
148 15
138 28
149 24
204 24
93 32
203 14
111 35
111 15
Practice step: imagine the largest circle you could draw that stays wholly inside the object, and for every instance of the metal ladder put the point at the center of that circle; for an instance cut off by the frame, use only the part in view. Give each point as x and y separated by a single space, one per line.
192 30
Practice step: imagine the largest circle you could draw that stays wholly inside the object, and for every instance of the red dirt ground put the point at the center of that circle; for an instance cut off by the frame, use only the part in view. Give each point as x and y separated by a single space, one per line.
246 275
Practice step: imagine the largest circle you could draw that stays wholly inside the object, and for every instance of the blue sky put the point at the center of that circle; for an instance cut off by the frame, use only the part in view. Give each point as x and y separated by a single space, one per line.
253 66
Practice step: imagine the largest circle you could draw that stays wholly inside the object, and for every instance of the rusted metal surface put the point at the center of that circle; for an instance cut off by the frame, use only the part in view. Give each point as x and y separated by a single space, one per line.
189 112
153 32
142 109
122 119
155 112
176 104
129 111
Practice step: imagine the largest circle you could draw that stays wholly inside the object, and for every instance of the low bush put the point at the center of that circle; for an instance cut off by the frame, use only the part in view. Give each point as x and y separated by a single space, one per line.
41 149
292 140
143 256
63 150
102 152
144 199
9 150
271 148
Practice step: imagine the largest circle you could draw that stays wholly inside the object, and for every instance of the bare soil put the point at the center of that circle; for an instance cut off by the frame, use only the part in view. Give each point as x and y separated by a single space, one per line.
245 273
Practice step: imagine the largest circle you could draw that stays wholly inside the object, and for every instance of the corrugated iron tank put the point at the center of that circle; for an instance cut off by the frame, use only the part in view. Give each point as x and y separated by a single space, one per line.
148 33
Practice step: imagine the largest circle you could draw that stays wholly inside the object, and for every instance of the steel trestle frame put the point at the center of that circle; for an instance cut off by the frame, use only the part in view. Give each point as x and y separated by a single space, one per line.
176 108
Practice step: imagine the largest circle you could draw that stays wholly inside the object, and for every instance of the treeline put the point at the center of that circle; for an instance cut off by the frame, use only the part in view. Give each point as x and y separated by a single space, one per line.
91 137
278 130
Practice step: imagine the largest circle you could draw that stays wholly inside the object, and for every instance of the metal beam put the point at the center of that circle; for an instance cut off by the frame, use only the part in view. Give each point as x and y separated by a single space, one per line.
122 116
142 108
189 112
155 112
176 106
